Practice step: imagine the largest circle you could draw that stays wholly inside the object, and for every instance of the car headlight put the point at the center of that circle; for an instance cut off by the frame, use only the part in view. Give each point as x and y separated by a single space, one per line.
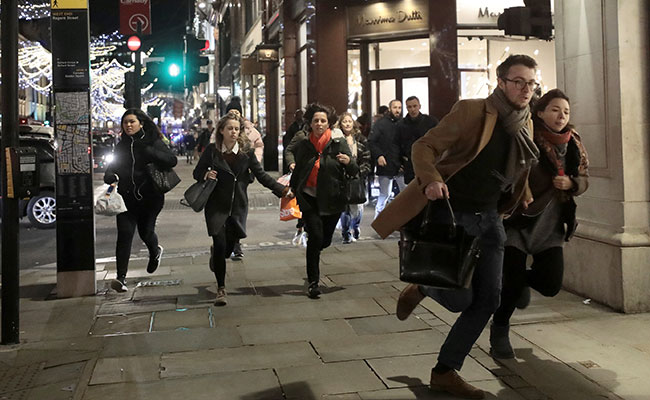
109 158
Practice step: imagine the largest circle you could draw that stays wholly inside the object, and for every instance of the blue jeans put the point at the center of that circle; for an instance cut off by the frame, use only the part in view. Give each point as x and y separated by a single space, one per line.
348 221
385 186
479 302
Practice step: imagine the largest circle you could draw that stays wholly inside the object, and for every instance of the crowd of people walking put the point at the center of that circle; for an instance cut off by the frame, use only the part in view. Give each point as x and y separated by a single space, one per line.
510 165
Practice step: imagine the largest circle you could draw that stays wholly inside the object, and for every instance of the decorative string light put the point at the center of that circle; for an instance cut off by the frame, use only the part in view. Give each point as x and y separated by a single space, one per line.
34 9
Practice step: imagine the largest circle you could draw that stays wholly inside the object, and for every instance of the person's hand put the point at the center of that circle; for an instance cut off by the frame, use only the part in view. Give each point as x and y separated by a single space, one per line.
210 175
286 192
526 202
563 182
381 161
343 158
292 166
436 190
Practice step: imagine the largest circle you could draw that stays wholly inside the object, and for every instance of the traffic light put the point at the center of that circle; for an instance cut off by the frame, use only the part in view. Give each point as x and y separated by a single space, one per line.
532 20
193 61
164 72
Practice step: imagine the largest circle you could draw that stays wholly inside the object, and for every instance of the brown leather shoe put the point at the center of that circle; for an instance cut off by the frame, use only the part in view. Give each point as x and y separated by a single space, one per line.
452 383
408 300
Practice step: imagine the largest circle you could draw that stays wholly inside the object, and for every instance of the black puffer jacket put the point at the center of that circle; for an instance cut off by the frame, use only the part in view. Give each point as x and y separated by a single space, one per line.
384 141
409 130
230 196
132 154
330 174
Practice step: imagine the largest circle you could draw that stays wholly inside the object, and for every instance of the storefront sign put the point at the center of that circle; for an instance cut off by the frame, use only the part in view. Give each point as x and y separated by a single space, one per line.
267 55
388 17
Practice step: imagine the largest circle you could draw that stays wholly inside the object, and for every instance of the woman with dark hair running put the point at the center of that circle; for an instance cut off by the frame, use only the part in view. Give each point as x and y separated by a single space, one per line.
230 160
549 221
321 159
141 143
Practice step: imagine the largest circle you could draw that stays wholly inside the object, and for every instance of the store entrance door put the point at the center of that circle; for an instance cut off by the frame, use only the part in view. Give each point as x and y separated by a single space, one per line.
389 84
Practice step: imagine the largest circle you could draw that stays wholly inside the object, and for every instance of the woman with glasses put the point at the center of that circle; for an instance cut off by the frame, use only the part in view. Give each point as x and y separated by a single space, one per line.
541 229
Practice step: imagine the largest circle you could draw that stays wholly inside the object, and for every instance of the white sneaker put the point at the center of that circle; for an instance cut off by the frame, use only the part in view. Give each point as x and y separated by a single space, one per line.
119 285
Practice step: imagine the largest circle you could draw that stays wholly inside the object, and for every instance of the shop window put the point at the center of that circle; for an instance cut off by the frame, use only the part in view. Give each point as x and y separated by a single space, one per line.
383 92
354 82
303 77
418 87
399 54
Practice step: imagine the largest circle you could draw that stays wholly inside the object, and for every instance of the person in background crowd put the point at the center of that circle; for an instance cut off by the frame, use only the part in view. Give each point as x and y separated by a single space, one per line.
385 151
230 160
141 143
382 111
364 124
479 156
204 137
409 129
351 217
295 126
539 230
258 145
321 158
190 143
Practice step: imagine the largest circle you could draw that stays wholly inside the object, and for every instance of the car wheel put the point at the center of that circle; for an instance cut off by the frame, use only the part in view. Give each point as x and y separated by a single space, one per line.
41 210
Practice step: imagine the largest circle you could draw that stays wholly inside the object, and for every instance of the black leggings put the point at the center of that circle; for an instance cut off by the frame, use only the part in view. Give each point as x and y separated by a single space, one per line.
320 229
141 214
222 246
545 276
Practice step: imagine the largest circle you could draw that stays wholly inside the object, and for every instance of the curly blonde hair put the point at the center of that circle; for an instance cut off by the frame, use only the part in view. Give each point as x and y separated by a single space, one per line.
242 140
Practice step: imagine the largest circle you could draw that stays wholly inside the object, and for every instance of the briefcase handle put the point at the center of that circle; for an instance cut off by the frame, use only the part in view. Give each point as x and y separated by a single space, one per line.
429 212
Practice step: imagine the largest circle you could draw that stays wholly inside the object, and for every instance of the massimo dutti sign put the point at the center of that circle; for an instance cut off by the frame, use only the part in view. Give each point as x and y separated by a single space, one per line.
388 17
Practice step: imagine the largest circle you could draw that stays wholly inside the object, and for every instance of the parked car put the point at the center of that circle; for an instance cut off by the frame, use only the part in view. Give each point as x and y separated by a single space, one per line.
40 209
103 146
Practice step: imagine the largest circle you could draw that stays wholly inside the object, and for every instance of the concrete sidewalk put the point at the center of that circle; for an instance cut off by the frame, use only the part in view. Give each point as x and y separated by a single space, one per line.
165 340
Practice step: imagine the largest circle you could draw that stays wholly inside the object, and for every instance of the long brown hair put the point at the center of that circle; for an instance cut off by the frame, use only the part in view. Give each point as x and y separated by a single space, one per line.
356 128
242 140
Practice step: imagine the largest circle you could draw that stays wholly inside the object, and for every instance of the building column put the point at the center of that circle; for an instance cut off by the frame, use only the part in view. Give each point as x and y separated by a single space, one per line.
290 56
331 69
444 79
602 65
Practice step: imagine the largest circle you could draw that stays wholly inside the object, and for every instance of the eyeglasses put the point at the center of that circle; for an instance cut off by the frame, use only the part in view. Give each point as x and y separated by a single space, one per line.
520 83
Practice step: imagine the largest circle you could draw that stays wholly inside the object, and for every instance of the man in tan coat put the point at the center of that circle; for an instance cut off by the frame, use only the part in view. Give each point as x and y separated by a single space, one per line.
479 156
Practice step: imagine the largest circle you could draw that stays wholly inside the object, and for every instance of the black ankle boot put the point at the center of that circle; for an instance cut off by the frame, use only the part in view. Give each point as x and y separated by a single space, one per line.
500 342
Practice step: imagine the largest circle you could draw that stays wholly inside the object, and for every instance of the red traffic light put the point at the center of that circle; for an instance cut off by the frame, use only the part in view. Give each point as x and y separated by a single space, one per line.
133 43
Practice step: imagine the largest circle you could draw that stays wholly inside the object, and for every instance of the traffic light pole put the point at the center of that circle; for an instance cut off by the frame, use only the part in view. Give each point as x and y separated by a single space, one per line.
138 73
10 247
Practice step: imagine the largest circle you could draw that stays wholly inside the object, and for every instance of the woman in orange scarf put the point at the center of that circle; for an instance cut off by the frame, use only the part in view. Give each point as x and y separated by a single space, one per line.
323 160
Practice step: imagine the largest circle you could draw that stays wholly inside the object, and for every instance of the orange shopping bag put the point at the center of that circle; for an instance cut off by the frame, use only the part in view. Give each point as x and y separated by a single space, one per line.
289 209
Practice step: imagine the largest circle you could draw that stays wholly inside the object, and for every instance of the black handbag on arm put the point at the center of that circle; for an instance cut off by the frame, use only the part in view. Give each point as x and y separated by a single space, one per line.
438 255
354 189
164 180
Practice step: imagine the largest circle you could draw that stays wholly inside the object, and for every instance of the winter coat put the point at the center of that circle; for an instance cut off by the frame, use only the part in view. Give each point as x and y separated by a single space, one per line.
440 154
384 141
408 131
362 157
330 174
230 197
131 155
255 138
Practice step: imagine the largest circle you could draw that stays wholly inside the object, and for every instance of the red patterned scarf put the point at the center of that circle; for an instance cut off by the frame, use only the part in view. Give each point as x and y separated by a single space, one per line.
319 144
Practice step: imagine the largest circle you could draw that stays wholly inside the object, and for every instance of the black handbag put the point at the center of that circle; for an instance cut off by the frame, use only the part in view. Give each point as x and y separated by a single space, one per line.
196 196
164 180
438 255
354 190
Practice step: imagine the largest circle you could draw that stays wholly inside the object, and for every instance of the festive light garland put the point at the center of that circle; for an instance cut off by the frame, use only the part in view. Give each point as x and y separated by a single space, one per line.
33 9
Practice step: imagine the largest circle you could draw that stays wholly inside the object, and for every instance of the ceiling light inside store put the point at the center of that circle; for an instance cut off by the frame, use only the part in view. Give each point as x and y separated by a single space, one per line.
536 52
202 5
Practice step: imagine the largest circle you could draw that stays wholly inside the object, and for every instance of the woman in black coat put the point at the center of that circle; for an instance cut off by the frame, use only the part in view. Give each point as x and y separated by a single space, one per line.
141 143
321 160
230 160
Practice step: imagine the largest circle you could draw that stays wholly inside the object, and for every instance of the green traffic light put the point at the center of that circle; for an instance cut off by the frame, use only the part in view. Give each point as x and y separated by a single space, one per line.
174 70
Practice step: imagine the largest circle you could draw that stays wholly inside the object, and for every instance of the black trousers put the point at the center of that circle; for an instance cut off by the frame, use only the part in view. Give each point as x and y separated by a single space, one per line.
545 276
141 215
222 246
320 229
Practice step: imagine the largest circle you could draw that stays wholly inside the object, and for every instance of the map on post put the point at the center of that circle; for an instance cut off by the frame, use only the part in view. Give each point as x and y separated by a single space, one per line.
73 155
72 108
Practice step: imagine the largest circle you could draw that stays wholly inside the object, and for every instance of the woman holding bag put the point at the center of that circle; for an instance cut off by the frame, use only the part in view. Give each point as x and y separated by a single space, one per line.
539 230
141 144
358 144
322 158
230 160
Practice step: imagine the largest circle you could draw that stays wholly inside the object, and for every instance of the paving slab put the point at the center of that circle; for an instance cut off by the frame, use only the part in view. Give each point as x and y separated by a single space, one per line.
251 385
62 390
121 324
182 319
359 278
494 389
170 341
294 331
238 359
131 307
162 292
142 368
386 345
336 292
385 324
306 310
314 381
401 371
